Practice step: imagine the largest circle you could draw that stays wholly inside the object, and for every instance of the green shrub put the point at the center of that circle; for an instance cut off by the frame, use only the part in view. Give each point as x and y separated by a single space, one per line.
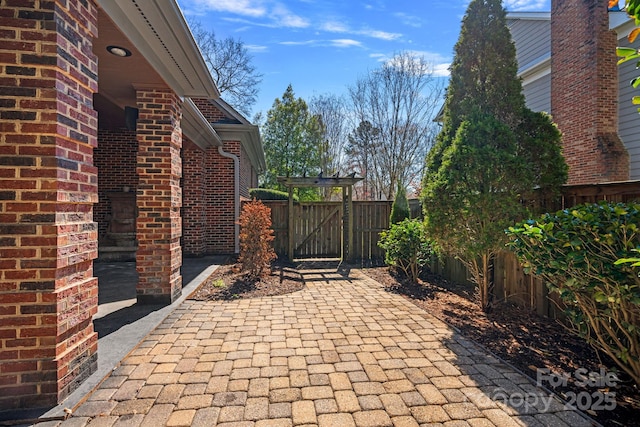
269 194
577 251
406 247
400 207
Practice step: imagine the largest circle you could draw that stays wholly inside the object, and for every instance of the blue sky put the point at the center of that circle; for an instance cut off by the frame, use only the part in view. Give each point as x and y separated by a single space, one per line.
323 46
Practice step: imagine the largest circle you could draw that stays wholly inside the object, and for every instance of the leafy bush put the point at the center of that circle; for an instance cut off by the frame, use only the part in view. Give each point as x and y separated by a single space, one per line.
269 194
577 251
256 239
406 247
400 207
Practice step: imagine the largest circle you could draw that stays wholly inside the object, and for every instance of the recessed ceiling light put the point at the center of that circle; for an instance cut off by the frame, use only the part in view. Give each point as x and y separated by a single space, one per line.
119 51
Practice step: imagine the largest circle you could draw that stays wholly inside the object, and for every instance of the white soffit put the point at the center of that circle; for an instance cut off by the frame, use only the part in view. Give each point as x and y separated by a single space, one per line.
159 31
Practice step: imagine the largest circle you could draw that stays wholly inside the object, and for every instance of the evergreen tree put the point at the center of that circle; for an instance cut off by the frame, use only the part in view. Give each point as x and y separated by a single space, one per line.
400 208
292 139
491 152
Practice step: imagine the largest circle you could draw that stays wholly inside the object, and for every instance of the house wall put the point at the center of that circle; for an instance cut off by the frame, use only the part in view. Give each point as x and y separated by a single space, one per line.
538 94
115 158
219 199
48 188
629 118
248 176
583 104
194 233
532 38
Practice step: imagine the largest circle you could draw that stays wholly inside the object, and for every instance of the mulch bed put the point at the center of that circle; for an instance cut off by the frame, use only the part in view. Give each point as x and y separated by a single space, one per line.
520 337
229 283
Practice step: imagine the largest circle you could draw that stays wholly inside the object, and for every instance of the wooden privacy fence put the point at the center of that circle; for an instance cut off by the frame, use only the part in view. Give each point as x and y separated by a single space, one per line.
318 228
318 234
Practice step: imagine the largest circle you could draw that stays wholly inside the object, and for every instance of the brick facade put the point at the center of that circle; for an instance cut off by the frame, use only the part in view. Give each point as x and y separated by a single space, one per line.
194 233
115 157
159 196
583 96
220 200
48 240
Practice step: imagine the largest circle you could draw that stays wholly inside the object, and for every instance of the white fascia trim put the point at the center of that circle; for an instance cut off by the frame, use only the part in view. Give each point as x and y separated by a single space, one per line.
621 23
529 16
159 31
196 127
536 69
249 137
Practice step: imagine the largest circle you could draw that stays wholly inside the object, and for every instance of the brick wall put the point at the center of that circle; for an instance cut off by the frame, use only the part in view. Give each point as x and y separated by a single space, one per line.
208 110
248 176
219 200
48 183
193 206
115 158
159 196
584 98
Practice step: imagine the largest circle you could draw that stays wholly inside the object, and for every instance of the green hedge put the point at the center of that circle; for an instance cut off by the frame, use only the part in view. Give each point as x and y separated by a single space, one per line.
269 194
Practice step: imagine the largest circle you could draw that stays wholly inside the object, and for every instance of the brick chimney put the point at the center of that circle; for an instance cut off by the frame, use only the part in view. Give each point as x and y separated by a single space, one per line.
584 91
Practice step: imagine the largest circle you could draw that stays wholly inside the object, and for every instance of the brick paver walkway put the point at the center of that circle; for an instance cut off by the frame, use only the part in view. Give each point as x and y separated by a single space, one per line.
342 352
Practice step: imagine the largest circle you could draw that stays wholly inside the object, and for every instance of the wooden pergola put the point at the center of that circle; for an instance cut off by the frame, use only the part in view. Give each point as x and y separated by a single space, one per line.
346 183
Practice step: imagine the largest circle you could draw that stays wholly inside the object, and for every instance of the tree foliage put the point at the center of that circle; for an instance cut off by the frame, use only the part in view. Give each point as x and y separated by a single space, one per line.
397 102
230 64
400 208
292 138
491 152
330 111
361 154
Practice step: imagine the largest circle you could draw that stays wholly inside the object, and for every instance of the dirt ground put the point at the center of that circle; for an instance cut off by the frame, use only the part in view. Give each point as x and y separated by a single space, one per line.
228 283
522 338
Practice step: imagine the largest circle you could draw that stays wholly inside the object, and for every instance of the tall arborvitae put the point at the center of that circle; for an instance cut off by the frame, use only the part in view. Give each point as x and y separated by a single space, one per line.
491 152
483 75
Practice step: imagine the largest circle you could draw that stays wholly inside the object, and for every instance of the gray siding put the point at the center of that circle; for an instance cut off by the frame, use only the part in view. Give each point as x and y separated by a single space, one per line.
532 39
538 94
629 118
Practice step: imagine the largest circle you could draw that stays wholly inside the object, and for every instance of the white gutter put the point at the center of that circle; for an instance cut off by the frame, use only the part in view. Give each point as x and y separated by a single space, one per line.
236 194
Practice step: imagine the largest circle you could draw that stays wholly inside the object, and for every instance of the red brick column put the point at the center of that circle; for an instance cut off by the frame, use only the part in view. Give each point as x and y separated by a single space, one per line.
193 208
48 185
159 196
584 91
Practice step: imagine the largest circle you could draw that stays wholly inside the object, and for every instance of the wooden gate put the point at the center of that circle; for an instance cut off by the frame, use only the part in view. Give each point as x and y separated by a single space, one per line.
318 230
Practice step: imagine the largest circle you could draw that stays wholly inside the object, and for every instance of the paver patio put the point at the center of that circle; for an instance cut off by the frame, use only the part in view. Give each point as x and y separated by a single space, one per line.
341 352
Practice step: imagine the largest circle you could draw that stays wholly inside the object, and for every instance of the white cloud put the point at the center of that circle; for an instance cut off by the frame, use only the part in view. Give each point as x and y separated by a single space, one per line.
299 43
339 27
527 5
438 64
275 12
346 43
410 20
255 48
252 8
334 27
340 43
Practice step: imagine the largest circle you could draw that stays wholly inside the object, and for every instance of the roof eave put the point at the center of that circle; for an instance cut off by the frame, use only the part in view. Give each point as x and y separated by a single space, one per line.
159 31
249 137
196 127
